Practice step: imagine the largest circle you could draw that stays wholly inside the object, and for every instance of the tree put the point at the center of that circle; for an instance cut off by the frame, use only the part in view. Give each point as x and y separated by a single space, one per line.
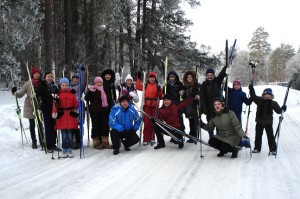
259 50
278 60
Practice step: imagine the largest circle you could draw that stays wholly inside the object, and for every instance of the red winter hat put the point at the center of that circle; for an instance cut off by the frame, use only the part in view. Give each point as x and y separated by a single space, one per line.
152 74
35 69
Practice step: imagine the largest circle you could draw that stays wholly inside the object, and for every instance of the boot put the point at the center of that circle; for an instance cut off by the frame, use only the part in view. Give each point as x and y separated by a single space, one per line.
97 143
34 145
234 152
105 142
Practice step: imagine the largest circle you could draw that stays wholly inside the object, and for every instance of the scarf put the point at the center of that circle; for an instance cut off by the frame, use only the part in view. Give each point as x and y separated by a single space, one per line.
36 83
103 95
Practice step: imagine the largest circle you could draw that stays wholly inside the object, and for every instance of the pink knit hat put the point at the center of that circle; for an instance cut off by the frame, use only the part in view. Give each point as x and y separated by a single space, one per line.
98 79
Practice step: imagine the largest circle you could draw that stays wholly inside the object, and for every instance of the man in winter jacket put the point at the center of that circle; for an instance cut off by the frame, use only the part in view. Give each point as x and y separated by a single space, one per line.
229 128
264 118
124 121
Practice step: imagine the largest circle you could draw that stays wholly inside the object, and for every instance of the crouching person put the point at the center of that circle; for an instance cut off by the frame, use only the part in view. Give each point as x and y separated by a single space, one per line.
229 129
124 121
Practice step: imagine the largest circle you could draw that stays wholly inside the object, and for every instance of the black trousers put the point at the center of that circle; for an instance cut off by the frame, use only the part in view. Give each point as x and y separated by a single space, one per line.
159 134
220 145
50 131
127 138
100 125
32 131
270 135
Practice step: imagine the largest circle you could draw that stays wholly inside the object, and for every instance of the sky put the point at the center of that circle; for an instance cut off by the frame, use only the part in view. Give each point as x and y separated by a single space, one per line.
218 20
145 173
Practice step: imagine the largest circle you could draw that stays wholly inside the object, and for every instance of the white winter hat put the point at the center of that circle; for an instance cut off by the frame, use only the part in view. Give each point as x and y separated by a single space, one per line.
128 77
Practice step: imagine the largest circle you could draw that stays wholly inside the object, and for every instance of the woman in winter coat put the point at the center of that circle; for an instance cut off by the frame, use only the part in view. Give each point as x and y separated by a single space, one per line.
99 111
124 121
191 87
108 76
127 89
264 118
65 111
153 93
229 129
45 91
174 86
28 105
169 113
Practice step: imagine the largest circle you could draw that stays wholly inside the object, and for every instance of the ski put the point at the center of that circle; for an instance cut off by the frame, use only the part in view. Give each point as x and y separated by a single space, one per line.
37 112
142 105
81 112
229 59
199 132
18 110
88 118
281 118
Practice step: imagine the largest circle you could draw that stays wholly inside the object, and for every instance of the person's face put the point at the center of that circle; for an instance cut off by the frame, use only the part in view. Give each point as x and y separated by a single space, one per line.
210 76
167 102
107 77
36 75
98 84
129 82
189 78
267 96
124 104
236 86
218 106
172 78
75 80
151 79
49 78
64 86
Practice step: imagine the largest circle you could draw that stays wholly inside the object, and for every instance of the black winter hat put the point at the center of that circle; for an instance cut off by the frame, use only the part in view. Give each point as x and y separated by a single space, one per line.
210 70
168 96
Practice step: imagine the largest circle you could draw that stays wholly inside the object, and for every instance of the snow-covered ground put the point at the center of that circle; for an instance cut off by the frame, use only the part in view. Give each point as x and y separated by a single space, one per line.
148 173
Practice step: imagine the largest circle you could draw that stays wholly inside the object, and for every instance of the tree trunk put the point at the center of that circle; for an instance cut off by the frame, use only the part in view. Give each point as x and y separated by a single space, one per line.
49 35
68 32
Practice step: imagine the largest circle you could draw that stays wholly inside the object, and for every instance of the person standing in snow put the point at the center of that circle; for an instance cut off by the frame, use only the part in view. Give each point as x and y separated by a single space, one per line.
169 113
191 87
211 89
264 118
99 111
153 93
66 113
124 121
127 89
28 111
236 98
229 128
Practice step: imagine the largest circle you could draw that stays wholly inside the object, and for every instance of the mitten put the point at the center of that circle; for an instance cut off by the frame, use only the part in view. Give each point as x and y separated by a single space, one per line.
251 87
181 92
13 90
74 113
73 91
139 75
283 108
54 115
118 79
59 114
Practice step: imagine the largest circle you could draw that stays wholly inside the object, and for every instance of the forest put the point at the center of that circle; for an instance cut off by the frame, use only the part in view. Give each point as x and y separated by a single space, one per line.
59 34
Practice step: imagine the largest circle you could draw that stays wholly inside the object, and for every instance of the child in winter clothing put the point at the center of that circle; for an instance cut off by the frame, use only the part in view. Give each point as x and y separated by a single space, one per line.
65 113
28 104
74 84
229 128
127 89
174 86
46 91
211 89
124 121
191 87
99 111
264 118
153 93
236 98
169 113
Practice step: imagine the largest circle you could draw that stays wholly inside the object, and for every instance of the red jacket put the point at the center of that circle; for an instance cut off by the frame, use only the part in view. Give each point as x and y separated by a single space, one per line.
67 104
170 114
152 93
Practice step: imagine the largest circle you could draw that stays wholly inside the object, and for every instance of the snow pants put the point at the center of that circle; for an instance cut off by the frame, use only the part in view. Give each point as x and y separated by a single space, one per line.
126 137
220 145
259 128
148 132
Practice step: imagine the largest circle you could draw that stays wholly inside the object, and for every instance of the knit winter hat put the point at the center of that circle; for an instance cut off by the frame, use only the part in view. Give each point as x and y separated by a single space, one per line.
210 70
98 79
221 100
152 74
34 70
268 91
236 81
64 80
122 98
128 77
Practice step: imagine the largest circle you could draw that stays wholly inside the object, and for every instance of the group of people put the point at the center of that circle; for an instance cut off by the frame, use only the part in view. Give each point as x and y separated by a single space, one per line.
117 116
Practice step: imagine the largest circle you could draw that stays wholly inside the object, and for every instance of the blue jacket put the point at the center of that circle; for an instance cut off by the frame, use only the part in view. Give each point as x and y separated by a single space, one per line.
236 98
122 119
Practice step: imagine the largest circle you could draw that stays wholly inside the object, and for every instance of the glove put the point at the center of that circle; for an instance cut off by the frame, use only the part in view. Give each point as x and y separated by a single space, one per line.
181 92
132 131
152 120
32 95
197 97
139 75
201 123
54 115
73 91
60 114
56 99
13 90
283 108
251 87
118 78
74 113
